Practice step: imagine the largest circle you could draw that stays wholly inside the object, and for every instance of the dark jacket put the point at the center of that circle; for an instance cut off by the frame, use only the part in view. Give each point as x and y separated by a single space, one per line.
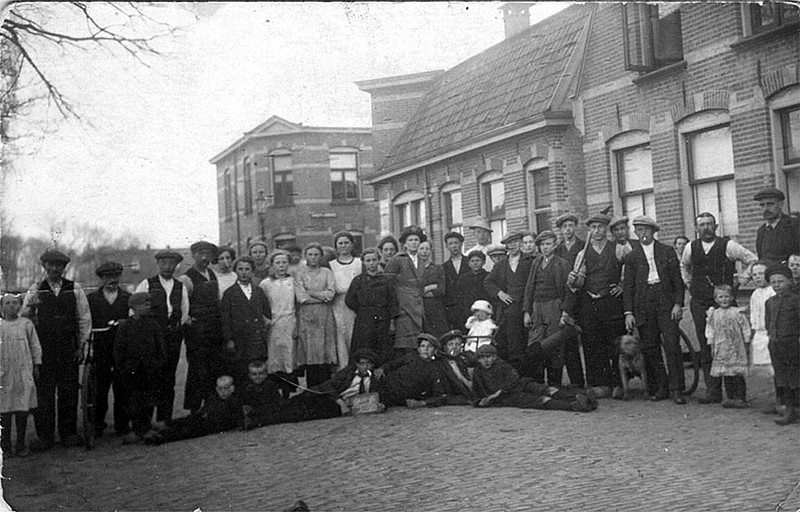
139 346
415 380
779 243
448 386
341 380
636 271
561 268
260 395
570 254
502 278
451 288
243 321
501 376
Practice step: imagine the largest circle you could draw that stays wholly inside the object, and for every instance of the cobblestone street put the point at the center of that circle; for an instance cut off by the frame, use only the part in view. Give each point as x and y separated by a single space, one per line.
632 456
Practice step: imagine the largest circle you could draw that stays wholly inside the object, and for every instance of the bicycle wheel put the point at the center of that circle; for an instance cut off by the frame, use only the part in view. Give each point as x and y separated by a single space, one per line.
695 362
88 394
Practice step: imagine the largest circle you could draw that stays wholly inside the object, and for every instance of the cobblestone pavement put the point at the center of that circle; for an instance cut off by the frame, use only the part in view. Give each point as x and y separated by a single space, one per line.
630 456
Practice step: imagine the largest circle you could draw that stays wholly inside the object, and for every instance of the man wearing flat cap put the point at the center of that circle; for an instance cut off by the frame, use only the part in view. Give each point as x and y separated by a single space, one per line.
109 305
653 297
483 236
506 285
169 305
705 263
203 331
63 324
570 244
455 266
595 279
779 236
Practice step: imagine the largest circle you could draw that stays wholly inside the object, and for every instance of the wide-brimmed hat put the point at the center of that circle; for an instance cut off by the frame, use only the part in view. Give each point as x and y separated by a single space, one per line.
769 193
412 230
480 222
565 217
599 217
644 220
109 267
54 256
618 220
165 254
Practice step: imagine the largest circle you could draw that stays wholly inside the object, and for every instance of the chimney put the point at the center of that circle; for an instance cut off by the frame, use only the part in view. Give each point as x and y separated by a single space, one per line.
516 17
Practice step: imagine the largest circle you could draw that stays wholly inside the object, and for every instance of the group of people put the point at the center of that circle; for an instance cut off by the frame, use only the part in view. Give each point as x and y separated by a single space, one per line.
490 326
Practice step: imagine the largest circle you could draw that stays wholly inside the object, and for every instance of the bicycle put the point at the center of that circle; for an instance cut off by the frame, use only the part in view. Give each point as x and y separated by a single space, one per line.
88 386
694 361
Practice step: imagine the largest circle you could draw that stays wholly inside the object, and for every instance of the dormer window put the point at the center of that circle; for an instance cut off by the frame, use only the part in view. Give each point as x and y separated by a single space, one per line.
649 41
759 18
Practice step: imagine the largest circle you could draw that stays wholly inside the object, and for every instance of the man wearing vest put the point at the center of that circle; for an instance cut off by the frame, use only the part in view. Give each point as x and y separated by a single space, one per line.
706 262
63 323
169 305
653 297
779 236
595 279
203 332
109 305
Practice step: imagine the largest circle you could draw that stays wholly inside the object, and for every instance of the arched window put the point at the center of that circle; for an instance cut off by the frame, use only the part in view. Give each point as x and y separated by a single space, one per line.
226 191
248 186
409 210
451 207
493 203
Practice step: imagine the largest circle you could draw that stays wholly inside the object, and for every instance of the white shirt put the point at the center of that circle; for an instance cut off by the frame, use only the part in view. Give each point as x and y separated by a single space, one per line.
111 297
247 289
733 251
355 384
81 307
457 263
652 275
167 284
225 281
414 260
513 261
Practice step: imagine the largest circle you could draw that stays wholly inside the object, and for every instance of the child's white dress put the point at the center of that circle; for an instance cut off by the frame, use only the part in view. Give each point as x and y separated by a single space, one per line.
728 332
19 351
480 332
759 349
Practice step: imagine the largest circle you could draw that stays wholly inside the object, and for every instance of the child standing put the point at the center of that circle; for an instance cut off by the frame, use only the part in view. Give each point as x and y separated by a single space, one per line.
20 360
481 326
728 335
783 327
759 349
279 288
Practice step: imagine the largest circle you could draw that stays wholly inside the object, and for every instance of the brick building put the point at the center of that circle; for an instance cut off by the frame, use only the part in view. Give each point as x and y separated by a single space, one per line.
284 182
664 109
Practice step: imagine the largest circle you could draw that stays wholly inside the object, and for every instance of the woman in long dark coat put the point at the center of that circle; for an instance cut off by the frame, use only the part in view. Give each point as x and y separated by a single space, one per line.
403 272
433 290
374 301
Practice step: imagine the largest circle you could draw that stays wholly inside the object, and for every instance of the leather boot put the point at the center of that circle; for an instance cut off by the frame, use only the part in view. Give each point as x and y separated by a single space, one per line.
790 415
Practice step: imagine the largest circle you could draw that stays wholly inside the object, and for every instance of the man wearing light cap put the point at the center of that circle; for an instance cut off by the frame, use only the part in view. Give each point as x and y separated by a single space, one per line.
63 324
483 237
779 236
169 301
506 285
203 335
653 298
595 279
109 305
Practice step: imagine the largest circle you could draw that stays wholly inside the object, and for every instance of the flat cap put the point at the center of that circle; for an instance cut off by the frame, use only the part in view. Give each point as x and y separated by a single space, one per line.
365 353
138 298
254 243
618 220
769 193
486 350
109 267
511 236
644 220
450 335
599 217
54 256
429 337
545 235
495 249
476 253
203 246
564 218
164 254
778 268
480 222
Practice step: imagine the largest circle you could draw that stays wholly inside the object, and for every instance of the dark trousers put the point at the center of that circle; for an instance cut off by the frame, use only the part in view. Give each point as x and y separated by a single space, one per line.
602 321
5 425
107 380
713 384
166 386
538 396
656 329
204 357
316 374
58 377
306 406
735 387
512 337
572 360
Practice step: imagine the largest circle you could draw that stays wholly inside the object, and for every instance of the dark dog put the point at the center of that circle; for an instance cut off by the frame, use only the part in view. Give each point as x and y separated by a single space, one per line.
631 362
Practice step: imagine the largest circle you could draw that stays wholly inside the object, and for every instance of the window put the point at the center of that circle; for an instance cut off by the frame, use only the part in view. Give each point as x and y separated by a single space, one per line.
539 182
786 122
227 193
453 216
493 204
763 17
710 158
248 186
790 134
283 188
409 210
635 170
344 177
649 41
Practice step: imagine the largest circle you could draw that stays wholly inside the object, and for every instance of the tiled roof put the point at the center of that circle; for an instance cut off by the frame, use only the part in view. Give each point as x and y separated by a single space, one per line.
503 86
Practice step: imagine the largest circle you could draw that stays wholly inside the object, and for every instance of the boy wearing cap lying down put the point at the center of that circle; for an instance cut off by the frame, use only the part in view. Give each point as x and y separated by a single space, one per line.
497 384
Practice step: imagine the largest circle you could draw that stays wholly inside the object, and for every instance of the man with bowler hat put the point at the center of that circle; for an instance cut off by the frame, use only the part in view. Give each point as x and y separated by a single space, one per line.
169 305
63 323
109 305
779 236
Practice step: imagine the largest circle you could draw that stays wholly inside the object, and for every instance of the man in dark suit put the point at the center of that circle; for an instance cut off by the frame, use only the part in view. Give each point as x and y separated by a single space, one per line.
653 300
454 267
570 244
779 236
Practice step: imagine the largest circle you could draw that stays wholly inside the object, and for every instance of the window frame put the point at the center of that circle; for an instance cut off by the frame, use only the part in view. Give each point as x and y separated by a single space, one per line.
447 207
626 195
497 219
539 215
787 174
227 193
751 12
342 178
413 203
280 198
247 170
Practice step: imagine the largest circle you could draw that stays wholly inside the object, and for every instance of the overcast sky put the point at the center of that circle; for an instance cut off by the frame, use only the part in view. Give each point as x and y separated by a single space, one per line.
142 162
